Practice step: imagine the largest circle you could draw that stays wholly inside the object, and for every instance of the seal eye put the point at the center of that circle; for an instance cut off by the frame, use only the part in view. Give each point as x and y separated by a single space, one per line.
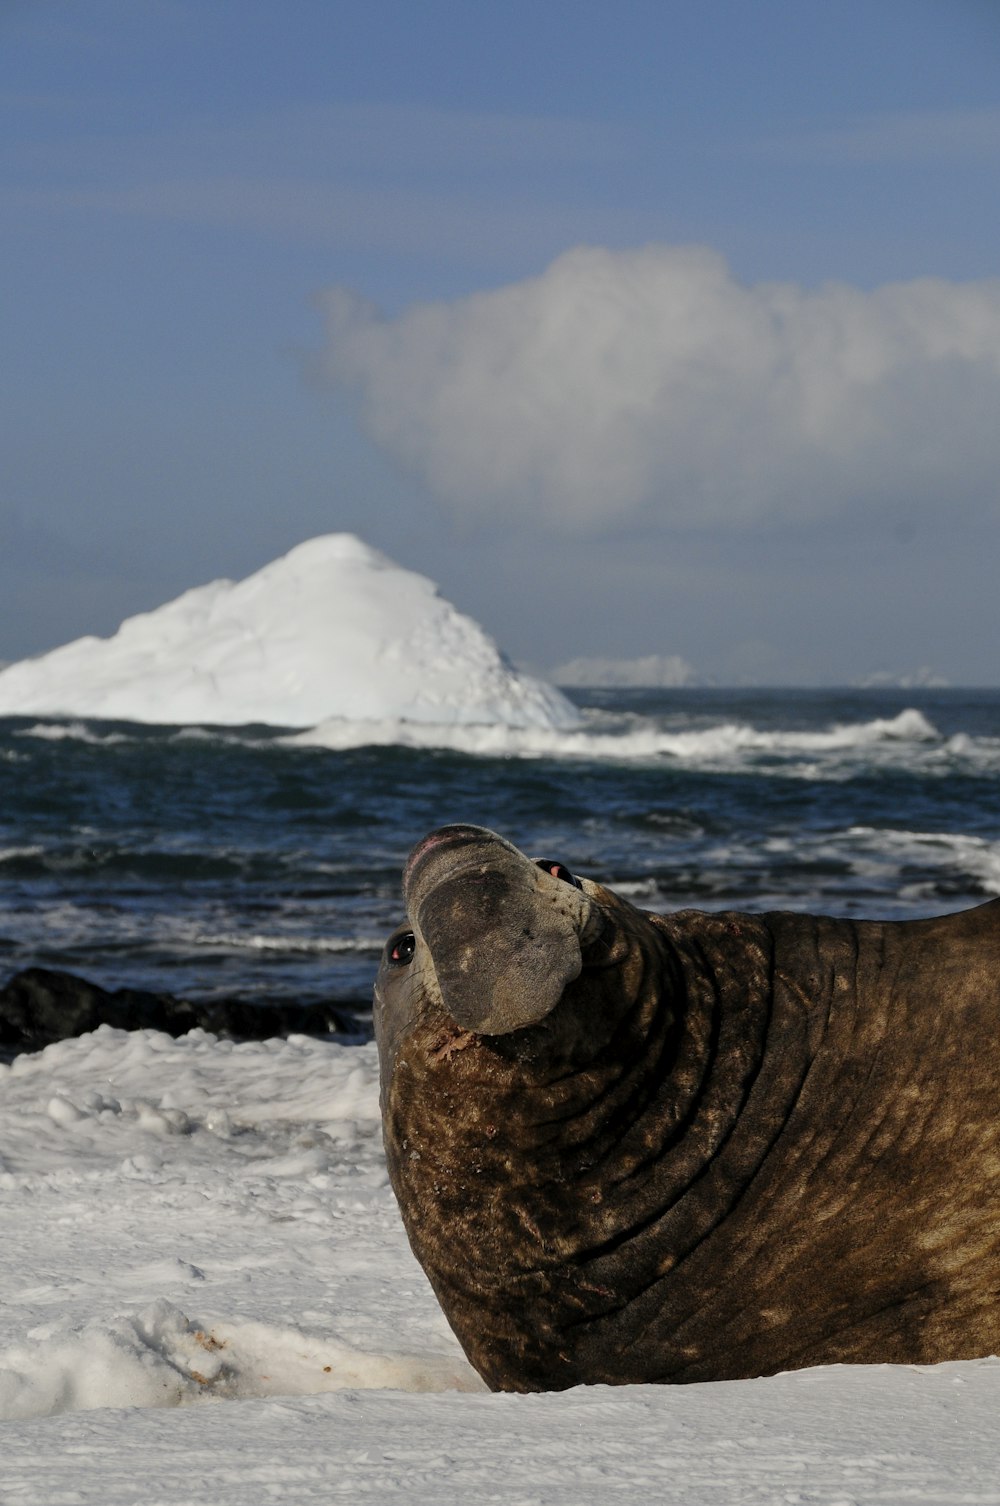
558 870
401 948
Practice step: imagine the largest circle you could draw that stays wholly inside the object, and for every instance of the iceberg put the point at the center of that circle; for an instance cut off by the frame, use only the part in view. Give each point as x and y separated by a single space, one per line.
333 630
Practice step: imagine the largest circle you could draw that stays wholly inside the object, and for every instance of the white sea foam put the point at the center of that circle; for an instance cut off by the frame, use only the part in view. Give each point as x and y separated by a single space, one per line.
953 854
878 871
57 732
626 738
286 943
184 934
13 854
332 629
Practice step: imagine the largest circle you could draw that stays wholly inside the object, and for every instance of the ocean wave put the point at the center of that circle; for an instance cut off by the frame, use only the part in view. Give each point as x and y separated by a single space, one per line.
908 739
624 738
19 854
290 943
72 732
955 855
867 868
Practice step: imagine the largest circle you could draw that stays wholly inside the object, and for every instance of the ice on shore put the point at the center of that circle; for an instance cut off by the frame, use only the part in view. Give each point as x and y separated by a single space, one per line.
333 630
208 1296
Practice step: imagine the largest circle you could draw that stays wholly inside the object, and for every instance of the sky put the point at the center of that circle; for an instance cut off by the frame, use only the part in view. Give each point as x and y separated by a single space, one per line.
649 329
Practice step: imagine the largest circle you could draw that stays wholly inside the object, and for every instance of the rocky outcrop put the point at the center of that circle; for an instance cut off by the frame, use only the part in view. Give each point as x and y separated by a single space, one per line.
41 1005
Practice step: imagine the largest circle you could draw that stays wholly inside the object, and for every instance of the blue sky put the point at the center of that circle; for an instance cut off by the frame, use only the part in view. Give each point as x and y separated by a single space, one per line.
659 328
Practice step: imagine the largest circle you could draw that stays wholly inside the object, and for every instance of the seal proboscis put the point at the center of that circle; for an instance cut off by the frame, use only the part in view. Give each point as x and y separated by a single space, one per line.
688 1147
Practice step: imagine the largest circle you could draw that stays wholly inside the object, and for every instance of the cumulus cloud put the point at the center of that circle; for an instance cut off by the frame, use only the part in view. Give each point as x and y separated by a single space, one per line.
650 386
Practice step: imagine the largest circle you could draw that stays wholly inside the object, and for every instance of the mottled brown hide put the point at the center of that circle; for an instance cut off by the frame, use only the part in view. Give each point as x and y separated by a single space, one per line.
696 1146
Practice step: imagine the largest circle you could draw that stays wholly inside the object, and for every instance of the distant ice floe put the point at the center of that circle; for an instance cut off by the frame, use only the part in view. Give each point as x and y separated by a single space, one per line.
924 678
648 671
333 629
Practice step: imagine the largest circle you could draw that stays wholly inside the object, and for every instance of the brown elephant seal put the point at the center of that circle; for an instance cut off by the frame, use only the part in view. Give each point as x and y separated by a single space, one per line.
633 1147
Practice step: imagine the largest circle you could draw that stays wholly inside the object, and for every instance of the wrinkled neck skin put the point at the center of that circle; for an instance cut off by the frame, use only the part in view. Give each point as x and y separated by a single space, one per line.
621 1095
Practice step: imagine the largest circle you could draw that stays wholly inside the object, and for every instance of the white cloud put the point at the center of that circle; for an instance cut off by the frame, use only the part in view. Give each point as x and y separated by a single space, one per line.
650 386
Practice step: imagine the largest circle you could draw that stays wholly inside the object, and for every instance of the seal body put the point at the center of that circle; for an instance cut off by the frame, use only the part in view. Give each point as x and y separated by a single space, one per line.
630 1147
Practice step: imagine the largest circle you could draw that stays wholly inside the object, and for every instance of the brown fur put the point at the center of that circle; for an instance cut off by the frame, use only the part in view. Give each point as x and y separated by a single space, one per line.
734 1145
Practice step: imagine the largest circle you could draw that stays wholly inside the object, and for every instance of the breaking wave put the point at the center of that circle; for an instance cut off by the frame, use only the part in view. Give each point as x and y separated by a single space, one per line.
728 744
264 862
55 732
284 944
908 738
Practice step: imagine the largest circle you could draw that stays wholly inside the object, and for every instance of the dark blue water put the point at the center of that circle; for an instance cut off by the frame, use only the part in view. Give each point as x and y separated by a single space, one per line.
207 863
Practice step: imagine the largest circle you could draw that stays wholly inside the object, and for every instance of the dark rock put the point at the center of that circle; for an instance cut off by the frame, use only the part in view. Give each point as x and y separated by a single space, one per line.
41 1005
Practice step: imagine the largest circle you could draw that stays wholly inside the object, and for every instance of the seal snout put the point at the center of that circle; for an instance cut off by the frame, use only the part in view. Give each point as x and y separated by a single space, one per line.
456 835
504 936
447 849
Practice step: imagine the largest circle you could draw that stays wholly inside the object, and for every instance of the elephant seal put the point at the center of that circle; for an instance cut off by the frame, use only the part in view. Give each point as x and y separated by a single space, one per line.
633 1147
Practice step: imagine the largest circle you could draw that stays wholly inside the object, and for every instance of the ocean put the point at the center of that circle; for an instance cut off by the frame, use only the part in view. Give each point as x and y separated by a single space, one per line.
246 862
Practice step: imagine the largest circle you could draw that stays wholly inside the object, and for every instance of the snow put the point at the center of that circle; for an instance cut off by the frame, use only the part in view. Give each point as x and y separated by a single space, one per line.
333 630
208 1297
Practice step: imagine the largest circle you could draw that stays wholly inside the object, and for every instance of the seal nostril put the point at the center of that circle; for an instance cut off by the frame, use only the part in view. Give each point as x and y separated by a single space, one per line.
559 871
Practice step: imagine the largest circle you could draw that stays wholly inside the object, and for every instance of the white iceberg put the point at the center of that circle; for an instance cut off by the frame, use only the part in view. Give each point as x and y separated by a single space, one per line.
333 630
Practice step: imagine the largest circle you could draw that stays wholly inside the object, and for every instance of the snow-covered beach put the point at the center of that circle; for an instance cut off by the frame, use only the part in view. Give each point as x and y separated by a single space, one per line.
209 1297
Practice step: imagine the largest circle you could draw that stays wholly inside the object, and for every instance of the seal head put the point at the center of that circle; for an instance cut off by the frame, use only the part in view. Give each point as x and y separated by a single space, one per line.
492 939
